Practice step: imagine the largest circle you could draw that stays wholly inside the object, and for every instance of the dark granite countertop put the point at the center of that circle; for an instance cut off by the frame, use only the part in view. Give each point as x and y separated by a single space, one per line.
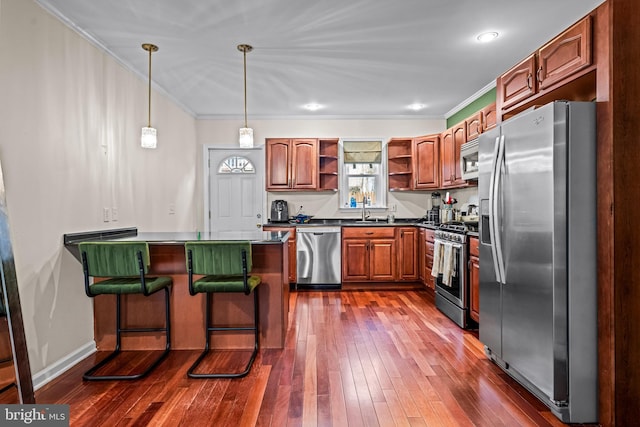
171 238
347 222
132 234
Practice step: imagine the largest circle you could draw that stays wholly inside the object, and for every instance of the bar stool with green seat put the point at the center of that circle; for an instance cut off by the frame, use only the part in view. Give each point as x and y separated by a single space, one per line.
125 265
226 266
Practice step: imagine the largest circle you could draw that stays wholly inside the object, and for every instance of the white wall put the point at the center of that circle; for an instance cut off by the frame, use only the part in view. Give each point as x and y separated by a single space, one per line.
323 204
69 146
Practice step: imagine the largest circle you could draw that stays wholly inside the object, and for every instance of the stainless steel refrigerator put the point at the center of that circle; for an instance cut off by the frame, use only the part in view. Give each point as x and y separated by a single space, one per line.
538 299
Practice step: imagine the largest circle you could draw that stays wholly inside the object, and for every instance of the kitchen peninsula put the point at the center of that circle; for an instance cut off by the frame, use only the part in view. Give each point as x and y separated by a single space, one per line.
270 261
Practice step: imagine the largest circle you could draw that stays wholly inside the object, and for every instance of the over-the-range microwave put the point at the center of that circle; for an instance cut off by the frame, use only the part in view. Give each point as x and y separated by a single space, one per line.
469 160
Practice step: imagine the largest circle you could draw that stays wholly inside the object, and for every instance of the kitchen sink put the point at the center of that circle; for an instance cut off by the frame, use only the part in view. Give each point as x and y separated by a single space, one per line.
365 221
329 221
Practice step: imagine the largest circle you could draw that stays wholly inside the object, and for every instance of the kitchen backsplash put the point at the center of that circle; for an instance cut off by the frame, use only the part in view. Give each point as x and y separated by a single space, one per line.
412 204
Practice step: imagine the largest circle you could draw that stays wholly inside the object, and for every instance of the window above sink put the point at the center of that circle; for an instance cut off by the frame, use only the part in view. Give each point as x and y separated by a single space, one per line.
363 175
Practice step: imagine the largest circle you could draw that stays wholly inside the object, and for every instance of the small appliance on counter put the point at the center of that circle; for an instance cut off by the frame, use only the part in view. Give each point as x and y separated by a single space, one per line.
433 214
279 211
469 213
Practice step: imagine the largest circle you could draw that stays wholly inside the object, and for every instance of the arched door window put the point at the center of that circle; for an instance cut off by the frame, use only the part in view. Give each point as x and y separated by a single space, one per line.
236 164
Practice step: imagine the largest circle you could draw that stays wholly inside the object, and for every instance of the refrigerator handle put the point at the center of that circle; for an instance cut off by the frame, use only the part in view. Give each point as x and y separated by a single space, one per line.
492 209
497 242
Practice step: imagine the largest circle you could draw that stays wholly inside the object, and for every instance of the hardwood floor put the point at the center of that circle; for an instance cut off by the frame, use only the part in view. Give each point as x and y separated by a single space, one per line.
352 358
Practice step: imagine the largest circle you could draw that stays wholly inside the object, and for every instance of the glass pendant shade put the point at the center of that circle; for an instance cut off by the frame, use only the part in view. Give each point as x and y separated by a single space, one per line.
246 138
149 138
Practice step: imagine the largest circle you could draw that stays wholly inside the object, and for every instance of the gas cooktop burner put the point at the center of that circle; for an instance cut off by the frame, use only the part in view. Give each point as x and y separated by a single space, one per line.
454 227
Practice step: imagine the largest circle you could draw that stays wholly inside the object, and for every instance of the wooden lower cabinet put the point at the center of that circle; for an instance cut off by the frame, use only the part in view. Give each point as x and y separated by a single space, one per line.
421 254
474 279
382 251
366 254
355 260
428 279
407 251
293 265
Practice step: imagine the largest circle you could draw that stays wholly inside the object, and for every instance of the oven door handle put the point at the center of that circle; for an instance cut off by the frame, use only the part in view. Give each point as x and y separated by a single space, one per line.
454 245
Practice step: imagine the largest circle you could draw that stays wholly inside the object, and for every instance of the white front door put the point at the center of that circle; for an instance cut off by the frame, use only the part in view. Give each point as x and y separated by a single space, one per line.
235 189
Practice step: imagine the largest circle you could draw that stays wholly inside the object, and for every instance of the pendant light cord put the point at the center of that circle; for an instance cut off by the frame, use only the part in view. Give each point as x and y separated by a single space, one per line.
244 48
150 48
244 53
149 88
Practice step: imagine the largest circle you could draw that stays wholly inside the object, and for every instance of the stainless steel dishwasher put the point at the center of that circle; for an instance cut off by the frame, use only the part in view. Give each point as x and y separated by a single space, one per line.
319 257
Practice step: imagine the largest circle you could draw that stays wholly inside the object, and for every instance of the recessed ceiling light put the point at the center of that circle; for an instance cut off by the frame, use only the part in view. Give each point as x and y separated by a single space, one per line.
487 37
312 106
416 106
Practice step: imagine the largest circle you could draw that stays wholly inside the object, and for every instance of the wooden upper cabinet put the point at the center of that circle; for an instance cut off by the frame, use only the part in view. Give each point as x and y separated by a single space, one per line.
292 164
518 83
451 156
556 65
278 154
304 164
566 54
446 158
473 126
489 117
328 164
400 164
427 162
459 138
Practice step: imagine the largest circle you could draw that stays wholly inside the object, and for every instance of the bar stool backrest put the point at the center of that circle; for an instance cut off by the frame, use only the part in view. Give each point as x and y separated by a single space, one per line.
219 257
115 259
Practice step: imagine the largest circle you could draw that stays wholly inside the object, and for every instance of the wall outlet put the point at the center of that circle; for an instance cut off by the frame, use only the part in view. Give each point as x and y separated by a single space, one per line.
105 214
114 214
172 209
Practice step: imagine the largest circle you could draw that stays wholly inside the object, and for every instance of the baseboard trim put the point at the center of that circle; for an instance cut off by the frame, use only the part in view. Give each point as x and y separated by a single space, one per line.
59 367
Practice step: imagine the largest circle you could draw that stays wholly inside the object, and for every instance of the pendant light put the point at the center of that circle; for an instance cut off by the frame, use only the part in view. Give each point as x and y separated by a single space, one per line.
149 138
246 133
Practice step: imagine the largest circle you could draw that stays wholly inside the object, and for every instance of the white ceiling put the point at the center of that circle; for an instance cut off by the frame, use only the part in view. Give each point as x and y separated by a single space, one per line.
359 58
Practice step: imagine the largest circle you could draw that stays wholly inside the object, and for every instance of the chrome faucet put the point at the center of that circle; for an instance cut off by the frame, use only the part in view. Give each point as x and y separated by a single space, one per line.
365 213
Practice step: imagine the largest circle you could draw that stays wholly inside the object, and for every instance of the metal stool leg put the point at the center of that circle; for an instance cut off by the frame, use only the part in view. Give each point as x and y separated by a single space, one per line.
89 375
209 328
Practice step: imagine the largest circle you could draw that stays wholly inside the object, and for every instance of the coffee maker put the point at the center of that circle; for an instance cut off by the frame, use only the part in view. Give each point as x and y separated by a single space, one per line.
279 211
433 214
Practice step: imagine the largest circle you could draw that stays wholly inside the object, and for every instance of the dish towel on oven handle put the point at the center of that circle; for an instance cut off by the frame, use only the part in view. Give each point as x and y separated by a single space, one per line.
437 258
447 264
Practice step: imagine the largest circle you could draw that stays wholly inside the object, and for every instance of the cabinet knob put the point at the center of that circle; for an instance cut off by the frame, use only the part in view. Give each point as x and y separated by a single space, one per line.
539 75
529 85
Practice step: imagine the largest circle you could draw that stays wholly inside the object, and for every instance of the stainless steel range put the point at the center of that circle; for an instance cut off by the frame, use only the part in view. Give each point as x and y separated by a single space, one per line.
452 287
